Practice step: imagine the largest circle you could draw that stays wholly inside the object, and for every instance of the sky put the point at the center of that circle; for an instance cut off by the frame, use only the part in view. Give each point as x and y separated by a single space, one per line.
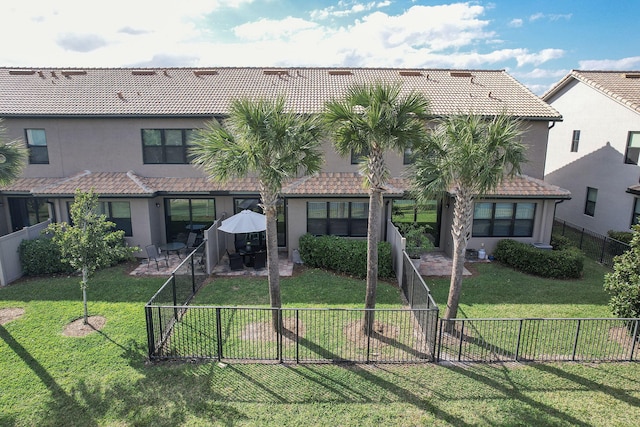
537 42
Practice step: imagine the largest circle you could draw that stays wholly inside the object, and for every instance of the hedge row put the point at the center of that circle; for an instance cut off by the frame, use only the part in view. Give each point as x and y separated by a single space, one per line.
42 256
344 255
557 264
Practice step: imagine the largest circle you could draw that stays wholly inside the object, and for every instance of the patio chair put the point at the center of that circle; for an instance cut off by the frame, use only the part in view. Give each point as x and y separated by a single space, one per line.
236 261
154 254
191 243
260 260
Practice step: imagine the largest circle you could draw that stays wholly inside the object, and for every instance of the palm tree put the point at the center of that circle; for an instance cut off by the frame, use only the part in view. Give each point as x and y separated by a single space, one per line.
369 121
467 156
260 138
13 157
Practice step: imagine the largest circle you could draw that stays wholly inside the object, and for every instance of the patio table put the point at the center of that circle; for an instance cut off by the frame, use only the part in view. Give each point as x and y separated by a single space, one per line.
173 247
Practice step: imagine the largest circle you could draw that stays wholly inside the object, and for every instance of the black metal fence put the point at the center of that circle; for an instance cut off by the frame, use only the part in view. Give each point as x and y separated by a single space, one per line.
177 330
176 293
596 246
300 335
540 340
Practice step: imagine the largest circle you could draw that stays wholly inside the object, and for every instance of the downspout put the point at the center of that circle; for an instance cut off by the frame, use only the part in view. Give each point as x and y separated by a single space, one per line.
386 220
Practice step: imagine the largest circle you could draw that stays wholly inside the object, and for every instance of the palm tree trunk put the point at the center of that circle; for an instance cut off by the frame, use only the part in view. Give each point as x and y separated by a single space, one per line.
273 269
462 217
375 204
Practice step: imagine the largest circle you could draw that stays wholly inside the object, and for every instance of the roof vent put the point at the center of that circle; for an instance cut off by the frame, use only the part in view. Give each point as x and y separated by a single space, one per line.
632 75
460 74
70 73
275 72
143 73
340 73
21 72
410 73
199 73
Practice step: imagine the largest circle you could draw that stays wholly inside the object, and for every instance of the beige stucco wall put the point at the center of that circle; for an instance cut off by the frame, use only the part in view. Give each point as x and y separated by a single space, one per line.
599 163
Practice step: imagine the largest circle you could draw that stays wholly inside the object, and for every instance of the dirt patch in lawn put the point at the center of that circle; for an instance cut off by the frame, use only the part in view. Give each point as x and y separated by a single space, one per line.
9 314
263 331
381 335
77 328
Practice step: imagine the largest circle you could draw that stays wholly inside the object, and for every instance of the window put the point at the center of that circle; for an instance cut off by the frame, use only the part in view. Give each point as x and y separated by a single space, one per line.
633 148
407 158
338 218
575 140
590 203
25 212
37 145
636 212
119 213
503 219
166 146
357 158
185 215
253 204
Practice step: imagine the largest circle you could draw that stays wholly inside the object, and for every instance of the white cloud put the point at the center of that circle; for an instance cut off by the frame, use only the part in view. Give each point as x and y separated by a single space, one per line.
630 63
516 23
550 17
346 8
266 29
540 73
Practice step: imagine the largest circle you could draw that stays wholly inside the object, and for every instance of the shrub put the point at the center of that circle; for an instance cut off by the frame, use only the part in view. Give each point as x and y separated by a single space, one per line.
560 243
556 264
622 236
417 240
344 255
624 283
42 256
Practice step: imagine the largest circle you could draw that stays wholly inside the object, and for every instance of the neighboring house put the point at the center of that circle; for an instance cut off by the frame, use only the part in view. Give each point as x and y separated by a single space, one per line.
594 151
125 132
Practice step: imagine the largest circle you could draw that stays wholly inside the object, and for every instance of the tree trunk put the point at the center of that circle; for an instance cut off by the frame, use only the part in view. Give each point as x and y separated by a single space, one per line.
273 269
84 294
462 218
373 229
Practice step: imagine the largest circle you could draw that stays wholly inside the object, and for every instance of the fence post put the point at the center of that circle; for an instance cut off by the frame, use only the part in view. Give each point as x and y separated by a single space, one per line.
369 329
280 334
460 346
150 338
581 237
193 273
439 340
175 296
575 341
297 336
634 339
604 245
518 339
219 332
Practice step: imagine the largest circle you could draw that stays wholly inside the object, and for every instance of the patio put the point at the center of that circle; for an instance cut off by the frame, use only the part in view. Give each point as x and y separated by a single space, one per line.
221 269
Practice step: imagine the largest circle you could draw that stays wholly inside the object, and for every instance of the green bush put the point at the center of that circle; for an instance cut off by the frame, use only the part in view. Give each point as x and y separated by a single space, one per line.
560 243
556 264
624 283
42 256
622 236
344 255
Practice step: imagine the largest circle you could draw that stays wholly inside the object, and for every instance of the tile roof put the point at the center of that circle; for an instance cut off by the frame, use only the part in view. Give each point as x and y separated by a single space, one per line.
621 86
326 184
208 92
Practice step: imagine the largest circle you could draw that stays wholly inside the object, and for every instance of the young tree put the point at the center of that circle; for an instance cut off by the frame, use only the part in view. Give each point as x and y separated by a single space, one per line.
89 243
624 283
13 157
261 138
467 156
369 121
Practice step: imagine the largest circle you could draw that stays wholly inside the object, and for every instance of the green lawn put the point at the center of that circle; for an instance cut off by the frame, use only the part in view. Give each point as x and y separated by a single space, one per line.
102 379
499 291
